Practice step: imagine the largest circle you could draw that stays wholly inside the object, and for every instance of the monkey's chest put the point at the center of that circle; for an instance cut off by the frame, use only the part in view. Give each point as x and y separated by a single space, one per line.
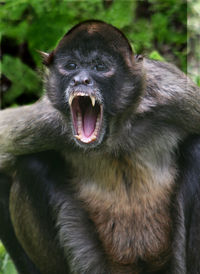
131 229
129 203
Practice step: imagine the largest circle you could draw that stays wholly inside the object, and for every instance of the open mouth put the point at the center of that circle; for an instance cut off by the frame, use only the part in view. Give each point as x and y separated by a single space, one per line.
86 116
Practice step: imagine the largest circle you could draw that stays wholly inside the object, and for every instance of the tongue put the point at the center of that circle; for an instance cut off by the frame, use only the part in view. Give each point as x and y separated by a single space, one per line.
89 122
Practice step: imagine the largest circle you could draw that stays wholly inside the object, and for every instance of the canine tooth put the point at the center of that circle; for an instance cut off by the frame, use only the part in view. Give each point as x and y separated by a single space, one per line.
77 137
92 100
71 99
93 138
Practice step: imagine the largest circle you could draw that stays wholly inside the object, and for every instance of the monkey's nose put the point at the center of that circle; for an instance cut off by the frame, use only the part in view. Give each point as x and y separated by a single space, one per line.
81 79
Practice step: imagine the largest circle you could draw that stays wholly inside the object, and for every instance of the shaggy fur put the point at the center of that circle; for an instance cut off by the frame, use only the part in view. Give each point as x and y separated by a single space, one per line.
125 203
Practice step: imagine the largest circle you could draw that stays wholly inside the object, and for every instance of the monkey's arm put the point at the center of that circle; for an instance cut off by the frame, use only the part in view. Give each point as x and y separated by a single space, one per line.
173 97
186 245
29 129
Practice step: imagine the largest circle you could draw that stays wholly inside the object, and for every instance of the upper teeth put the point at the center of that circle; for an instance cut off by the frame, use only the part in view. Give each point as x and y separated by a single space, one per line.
92 98
71 99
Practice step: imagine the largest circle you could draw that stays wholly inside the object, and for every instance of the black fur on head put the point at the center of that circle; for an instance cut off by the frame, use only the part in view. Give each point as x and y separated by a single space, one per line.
101 36
93 72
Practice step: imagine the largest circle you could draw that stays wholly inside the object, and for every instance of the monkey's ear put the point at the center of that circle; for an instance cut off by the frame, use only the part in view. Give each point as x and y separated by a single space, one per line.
46 57
139 57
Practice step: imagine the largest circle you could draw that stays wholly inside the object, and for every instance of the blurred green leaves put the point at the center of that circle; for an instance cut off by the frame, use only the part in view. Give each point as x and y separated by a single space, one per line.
23 78
6 265
156 56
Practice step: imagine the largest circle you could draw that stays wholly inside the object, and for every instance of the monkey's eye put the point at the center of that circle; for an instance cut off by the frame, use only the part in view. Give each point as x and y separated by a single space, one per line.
71 66
100 67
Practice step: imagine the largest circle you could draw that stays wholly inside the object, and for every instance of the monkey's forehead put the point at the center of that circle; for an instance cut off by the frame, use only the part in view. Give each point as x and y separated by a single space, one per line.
85 40
91 49
86 53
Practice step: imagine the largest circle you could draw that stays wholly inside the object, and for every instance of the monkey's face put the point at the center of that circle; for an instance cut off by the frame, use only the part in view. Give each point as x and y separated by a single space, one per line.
92 80
88 77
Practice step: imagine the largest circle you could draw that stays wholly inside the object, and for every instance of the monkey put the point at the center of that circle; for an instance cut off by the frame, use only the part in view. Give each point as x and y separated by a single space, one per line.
102 174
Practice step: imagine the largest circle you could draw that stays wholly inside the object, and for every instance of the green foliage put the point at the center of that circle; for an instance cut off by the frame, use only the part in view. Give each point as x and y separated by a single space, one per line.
6 265
197 80
24 79
156 56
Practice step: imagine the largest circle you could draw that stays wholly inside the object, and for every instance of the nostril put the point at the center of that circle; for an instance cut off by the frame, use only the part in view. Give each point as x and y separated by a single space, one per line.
81 79
87 81
73 82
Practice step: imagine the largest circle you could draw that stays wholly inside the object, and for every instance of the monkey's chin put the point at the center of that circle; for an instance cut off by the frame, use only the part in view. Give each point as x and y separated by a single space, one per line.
86 114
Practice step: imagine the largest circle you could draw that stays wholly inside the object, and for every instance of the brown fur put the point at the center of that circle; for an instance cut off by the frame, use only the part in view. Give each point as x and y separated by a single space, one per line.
94 28
130 208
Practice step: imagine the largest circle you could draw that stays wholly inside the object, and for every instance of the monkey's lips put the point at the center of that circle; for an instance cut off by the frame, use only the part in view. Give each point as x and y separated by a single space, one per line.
86 116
